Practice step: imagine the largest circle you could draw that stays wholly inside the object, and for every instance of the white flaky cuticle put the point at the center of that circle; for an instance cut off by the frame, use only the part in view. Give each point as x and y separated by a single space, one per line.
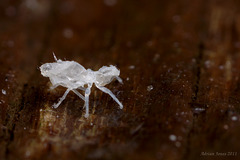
73 76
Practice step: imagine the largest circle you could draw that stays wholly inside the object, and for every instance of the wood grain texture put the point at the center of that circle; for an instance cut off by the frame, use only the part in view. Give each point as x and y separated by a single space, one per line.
188 51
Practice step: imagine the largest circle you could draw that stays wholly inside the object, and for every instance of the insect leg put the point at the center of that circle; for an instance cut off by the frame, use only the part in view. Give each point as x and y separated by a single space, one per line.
87 93
61 99
53 87
119 79
79 95
104 89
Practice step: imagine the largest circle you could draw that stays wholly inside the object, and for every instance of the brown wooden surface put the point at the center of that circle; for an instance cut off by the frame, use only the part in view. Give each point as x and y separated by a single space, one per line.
187 50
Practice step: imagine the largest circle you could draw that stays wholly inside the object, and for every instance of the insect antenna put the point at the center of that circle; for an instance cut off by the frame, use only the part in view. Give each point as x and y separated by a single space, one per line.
55 57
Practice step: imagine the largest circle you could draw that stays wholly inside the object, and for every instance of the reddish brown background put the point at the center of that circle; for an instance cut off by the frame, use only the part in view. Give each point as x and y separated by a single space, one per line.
188 50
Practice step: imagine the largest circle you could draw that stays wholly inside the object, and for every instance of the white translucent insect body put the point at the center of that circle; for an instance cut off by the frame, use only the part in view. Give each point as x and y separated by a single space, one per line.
74 76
